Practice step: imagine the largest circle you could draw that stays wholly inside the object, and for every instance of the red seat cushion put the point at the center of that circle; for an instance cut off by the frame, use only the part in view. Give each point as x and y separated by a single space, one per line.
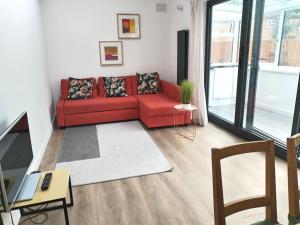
99 104
157 104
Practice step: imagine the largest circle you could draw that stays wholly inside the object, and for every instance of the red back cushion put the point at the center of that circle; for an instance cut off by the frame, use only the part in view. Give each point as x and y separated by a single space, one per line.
101 87
64 86
102 90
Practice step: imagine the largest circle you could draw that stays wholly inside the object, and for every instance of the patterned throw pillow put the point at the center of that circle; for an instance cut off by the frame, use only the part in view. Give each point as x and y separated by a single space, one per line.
148 83
80 88
114 86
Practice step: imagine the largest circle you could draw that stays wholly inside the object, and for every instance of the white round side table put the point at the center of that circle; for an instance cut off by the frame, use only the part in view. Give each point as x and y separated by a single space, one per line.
177 110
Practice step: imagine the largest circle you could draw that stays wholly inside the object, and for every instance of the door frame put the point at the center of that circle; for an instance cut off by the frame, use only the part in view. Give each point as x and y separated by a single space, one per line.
254 66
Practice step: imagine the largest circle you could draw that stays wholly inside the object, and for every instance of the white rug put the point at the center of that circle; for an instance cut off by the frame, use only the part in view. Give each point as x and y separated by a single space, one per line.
126 150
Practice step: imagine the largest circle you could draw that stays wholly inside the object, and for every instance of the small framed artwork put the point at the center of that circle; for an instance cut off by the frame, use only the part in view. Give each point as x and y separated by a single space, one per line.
128 26
111 53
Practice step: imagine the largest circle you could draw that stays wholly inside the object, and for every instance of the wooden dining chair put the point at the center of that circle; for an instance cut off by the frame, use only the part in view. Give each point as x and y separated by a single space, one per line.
221 210
294 194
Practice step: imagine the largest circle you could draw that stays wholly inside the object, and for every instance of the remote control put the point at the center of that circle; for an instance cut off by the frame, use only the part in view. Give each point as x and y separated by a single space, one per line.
46 181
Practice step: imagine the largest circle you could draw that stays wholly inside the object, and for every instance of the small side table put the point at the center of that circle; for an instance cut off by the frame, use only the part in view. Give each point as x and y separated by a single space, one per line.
57 192
177 109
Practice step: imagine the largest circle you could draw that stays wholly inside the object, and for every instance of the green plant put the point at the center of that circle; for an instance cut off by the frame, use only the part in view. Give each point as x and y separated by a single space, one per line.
187 89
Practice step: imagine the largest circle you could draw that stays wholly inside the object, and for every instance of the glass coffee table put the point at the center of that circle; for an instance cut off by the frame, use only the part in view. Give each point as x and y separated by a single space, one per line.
177 110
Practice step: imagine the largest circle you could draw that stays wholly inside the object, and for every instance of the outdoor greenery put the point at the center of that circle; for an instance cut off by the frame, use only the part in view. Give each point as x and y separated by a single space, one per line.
187 89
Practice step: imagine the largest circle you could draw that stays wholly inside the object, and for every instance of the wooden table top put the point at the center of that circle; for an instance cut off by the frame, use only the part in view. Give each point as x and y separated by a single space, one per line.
58 189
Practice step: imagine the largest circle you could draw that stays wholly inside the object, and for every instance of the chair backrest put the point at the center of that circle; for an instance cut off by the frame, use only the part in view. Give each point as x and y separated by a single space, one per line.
292 144
221 210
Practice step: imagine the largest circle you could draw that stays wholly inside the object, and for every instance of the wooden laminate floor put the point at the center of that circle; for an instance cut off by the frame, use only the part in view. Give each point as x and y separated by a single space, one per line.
183 196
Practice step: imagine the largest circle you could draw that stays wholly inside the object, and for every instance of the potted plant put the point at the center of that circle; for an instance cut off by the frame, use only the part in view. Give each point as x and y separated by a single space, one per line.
187 89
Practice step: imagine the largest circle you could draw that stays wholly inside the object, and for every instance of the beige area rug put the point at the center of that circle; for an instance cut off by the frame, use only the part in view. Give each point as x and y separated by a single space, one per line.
126 150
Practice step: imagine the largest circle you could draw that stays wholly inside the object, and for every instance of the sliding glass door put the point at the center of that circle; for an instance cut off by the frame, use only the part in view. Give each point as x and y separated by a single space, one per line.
273 73
225 37
253 66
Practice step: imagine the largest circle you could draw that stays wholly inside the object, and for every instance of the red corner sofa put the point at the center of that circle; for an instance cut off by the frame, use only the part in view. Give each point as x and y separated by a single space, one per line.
154 110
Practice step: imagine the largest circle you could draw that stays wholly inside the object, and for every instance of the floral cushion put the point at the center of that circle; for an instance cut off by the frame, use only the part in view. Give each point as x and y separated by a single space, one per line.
148 83
114 86
80 88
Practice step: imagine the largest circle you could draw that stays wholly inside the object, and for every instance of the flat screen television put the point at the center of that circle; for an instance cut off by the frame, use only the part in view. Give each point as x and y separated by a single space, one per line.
16 156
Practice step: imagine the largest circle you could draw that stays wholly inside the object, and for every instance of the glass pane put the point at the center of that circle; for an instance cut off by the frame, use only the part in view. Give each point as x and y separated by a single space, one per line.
271 98
226 20
269 38
290 49
222 41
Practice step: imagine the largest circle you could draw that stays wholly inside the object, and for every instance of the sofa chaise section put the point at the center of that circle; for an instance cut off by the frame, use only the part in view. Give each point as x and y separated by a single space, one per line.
157 110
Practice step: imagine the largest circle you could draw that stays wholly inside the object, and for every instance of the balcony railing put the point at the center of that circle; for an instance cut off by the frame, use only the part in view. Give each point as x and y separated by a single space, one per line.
275 96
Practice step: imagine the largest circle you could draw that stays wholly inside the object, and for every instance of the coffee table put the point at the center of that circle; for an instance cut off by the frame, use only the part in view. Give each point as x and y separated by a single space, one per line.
177 110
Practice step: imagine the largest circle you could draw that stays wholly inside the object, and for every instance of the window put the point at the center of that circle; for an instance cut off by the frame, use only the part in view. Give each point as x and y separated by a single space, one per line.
222 41
269 39
290 47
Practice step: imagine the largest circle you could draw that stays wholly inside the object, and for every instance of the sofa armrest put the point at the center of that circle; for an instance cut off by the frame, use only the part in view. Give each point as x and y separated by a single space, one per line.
60 117
171 90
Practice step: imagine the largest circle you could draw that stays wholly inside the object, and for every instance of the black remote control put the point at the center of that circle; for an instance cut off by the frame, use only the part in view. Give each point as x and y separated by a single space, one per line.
46 181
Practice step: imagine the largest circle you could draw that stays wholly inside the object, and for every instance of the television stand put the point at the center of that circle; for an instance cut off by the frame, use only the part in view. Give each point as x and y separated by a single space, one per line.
57 192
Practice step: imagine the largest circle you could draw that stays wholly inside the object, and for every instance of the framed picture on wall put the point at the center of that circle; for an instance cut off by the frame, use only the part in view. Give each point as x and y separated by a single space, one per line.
111 53
129 26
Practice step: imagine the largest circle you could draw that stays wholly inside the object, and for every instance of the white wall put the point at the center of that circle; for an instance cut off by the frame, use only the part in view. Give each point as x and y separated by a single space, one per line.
277 89
74 27
23 75
179 20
